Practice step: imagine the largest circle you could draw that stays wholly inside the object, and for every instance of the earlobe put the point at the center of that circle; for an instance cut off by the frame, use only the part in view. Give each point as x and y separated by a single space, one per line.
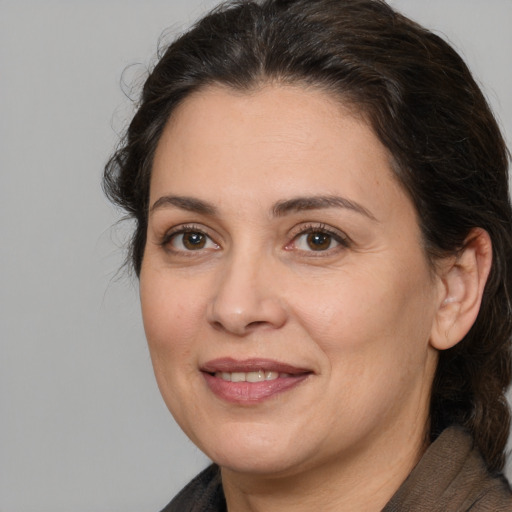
462 281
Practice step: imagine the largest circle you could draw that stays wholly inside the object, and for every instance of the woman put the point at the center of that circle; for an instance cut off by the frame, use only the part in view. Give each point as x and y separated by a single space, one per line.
323 245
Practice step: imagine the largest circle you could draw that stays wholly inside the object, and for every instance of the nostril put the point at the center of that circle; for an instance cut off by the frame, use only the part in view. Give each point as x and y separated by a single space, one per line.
256 325
217 325
240 329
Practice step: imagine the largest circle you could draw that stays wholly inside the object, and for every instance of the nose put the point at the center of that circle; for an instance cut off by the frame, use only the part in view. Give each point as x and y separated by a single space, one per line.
246 297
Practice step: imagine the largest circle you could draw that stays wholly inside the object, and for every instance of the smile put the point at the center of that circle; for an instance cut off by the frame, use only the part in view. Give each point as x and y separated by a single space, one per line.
251 381
259 376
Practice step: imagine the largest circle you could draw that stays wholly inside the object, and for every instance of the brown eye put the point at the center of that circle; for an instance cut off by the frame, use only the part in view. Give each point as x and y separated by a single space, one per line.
193 241
314 239
186 241
319 241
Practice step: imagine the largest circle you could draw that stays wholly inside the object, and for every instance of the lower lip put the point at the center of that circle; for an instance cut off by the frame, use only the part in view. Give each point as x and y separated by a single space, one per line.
251 392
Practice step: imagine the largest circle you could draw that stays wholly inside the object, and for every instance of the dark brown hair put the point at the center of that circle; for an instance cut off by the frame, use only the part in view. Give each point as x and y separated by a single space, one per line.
424 105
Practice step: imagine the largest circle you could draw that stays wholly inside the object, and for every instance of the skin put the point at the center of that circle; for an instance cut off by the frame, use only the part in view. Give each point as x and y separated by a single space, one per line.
364 313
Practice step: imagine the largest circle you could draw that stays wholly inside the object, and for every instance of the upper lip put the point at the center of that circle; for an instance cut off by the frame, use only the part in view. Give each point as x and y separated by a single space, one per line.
230 365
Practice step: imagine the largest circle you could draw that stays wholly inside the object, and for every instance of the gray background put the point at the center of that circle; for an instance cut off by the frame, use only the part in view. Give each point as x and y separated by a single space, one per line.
82 426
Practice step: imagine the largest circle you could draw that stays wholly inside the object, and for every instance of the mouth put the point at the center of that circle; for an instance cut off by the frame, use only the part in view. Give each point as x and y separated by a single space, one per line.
251 381
259 376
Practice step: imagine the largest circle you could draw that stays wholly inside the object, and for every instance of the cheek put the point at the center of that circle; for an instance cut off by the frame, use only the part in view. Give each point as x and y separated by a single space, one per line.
372 309
172 317
172 314
372 333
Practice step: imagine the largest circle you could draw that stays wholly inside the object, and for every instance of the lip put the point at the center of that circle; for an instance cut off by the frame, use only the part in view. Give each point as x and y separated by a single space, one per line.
251 392
228 364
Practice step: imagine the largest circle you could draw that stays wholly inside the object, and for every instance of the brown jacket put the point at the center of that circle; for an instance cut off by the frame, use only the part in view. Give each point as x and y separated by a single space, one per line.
450 477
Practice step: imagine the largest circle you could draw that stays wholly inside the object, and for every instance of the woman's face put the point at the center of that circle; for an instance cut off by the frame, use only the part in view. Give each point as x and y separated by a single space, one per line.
286 297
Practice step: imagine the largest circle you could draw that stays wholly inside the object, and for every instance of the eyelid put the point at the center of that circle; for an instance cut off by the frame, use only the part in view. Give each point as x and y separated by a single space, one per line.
185 228
303 229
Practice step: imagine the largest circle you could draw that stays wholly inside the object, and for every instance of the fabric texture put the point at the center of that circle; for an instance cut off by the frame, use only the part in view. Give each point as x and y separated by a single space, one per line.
202 494
450 477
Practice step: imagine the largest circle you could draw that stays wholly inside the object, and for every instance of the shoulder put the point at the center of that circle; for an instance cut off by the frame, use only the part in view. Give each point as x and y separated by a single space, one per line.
202 494
452 476
487 492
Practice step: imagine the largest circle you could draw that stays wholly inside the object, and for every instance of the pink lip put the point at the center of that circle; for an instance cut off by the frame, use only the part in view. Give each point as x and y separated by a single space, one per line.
228 364
251 392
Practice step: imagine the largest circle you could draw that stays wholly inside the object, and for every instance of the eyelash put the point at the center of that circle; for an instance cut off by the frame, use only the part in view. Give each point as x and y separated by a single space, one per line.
181 230
341 239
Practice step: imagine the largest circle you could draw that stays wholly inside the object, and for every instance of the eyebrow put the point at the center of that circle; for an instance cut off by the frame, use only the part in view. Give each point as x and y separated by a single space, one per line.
190 204
280 209
299 204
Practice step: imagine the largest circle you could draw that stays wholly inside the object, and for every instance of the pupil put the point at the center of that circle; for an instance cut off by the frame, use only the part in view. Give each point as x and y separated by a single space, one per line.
319 241
194 240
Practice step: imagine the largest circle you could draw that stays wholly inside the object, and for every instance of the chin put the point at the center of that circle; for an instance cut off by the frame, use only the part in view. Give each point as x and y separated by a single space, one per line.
254 452
257 464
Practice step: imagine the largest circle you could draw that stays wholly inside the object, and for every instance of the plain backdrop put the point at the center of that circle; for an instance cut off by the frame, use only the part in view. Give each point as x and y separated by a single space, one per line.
82 425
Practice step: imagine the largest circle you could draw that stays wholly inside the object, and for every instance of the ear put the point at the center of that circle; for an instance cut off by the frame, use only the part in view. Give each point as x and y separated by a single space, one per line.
462 281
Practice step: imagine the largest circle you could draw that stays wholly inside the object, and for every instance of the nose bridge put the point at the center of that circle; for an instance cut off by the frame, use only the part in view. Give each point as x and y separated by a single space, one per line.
245 297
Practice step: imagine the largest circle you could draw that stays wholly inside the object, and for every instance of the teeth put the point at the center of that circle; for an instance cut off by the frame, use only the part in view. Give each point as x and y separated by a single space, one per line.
238 377
258 376
255 376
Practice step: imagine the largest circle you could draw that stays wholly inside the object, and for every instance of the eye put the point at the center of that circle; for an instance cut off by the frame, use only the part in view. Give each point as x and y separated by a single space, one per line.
317 239
189 240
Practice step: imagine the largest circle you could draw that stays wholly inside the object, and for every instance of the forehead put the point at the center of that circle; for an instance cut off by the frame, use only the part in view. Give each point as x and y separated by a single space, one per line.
275 142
